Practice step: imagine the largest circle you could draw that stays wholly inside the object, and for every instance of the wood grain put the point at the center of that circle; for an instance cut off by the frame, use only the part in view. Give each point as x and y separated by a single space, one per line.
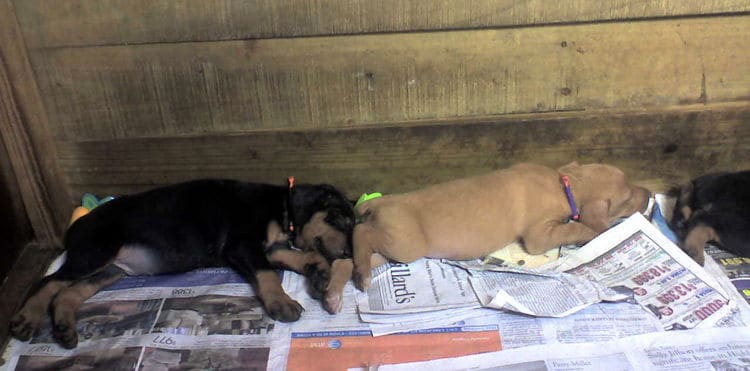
116 22
327 82
672 145
27 137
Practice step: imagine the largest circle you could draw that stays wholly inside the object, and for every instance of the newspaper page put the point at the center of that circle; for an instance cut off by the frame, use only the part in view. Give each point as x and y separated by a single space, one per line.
529 291
345 342
421 286
736 268
663 279
697 349
200 319
321 341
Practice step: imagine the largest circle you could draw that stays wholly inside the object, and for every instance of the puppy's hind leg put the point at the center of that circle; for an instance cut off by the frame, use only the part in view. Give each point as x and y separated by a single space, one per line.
68 300
25 323
89 249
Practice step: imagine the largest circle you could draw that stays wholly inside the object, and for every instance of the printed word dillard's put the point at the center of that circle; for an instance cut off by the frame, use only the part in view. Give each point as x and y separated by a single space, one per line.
399 274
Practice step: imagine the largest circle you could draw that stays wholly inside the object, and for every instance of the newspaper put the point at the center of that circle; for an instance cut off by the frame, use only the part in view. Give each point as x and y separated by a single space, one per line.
528 291
321 341
697 349
737 268
421 286
663 279
345 342
201 319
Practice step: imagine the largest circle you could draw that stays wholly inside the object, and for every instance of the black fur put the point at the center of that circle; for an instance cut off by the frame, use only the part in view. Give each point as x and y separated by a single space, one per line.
201 223
720 201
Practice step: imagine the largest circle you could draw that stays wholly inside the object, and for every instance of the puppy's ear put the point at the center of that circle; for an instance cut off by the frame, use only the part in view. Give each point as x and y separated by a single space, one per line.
595 214
572 169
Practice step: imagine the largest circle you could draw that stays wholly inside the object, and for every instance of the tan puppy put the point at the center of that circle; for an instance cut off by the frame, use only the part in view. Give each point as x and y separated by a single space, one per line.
470 218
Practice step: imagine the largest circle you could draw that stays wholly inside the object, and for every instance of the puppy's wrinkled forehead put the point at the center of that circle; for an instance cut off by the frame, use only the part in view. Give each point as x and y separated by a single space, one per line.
327 222
320 235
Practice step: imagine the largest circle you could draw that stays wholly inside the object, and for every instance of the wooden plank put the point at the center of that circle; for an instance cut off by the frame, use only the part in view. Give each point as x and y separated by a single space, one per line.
16 141
115 22
236 86
15 229
672 145
26 136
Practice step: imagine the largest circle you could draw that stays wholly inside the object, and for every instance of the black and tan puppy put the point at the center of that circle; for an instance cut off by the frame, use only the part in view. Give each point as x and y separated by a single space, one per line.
196 224
714 207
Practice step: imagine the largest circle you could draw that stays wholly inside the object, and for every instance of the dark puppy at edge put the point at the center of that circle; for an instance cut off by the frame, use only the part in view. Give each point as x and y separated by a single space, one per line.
714 207
190 225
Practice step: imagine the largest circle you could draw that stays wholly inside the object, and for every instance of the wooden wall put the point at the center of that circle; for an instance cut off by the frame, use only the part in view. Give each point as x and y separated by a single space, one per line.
382 95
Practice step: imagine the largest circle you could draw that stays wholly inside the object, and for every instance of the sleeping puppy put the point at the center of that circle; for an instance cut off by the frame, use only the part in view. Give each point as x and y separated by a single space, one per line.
202 223
470 218
714 207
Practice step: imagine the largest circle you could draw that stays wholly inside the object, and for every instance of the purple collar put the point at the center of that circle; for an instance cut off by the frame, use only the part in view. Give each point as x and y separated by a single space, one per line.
574 214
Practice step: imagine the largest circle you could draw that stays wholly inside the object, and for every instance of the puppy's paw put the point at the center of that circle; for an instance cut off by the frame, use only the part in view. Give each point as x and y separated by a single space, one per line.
318 277
22 327
362 279
696 240
65 335
333 302
697 255
284 310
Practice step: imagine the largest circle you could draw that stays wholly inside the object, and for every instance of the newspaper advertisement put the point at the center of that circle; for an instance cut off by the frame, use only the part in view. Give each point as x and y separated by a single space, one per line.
201 319
663 279
736 268
696 349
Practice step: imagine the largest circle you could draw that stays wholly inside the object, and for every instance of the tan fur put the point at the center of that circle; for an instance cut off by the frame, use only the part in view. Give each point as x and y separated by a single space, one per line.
297 260
334 241
273 296
274 234
341 272
470 218
68 300
35 309
696 240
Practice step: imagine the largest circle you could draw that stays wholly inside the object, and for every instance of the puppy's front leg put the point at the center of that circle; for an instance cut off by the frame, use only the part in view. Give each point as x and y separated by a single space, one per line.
250 261
363 238
309 263
695 242
550 234
341 272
